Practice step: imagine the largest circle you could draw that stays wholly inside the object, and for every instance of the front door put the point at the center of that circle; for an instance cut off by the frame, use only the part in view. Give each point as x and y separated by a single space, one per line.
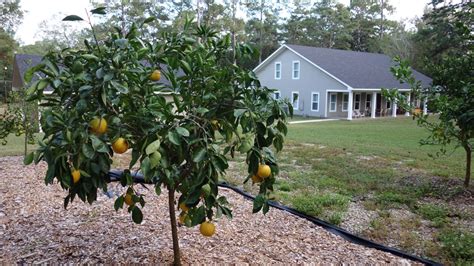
379 103
357 101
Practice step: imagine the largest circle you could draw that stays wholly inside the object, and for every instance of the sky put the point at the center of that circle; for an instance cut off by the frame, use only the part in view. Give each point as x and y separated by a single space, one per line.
39 10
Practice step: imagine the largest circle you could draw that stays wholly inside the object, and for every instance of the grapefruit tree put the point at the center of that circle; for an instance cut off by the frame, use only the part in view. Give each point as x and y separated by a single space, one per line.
180 131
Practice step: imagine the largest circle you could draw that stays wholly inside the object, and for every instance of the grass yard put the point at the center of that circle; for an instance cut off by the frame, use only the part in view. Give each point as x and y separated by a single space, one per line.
373 178
15 146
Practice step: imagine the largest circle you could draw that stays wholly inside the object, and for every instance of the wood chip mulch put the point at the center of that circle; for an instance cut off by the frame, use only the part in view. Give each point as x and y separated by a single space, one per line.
34 228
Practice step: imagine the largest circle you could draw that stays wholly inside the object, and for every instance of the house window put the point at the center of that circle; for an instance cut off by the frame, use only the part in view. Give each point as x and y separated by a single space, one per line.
368 101
296 69
357 101
278 70
295 99
387 104
332 102
345 102
315 101
276 95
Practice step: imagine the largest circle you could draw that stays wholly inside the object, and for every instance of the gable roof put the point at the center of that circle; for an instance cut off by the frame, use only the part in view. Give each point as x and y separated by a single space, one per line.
25 61
355 69
22 63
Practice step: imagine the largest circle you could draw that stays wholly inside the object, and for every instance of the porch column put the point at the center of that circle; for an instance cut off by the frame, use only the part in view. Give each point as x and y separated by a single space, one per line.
425 107
394 108
407 112
349 107
374 104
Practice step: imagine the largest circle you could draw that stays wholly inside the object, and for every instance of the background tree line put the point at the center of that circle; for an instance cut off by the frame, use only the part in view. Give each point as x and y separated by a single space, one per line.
362 26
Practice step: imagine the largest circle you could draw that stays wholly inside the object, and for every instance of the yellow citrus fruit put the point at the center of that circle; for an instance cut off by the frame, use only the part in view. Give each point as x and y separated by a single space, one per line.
128 199
264 171
98 125
257 179
76 176
120 145
207 229
156 75
183 207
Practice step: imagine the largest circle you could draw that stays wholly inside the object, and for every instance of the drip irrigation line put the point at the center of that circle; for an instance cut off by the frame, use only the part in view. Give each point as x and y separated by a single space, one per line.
115 175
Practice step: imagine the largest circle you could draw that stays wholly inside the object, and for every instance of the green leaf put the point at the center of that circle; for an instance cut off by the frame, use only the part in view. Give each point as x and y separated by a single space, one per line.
254 161
72 18
90 57
149 19
137 215
200 155
157 189
182 131
118 203
28 158
202 110
97 144
258 203
174 138
30 72
88 151
99 11
135 157
152 147
155 159
186 67
145 166
120 88
198 215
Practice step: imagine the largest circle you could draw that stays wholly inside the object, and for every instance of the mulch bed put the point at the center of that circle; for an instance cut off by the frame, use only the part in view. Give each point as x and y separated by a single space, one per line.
35 228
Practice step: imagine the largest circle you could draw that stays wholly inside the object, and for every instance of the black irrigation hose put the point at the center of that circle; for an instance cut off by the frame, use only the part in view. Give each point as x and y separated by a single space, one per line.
115 175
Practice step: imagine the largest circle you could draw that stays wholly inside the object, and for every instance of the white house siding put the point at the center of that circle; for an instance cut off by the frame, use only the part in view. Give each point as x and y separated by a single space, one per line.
311 80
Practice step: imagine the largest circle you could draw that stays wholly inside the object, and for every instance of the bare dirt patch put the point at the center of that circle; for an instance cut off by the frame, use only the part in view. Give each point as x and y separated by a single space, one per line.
35 228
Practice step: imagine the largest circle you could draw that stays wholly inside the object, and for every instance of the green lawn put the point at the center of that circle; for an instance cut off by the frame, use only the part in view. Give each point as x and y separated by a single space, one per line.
380 166
393 139
15 146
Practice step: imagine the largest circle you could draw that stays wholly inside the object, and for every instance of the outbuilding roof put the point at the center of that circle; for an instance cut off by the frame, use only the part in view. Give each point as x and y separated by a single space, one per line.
25 61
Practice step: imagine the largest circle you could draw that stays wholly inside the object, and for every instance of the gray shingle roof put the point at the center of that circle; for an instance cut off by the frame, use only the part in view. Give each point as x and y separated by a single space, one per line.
357 69
26 61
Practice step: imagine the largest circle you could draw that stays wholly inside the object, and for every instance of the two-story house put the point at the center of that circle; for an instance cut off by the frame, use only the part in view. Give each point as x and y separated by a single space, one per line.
330 83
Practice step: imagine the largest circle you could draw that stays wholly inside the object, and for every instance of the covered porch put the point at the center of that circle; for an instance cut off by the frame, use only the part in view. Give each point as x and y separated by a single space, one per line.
365 103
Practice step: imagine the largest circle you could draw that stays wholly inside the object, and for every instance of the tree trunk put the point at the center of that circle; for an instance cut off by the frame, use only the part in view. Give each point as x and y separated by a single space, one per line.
467 178
174 230
233 29
261 32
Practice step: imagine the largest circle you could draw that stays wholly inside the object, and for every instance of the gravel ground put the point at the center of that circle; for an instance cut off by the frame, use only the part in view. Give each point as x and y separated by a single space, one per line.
34 228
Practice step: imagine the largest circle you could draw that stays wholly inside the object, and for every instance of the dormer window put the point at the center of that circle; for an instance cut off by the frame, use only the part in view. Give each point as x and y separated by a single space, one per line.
296 69
278 70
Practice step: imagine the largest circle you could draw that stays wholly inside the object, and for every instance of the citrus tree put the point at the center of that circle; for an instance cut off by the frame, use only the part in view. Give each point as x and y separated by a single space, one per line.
179 106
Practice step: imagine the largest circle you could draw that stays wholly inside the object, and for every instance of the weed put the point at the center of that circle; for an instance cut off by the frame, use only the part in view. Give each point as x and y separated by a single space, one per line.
335 218
432 212
391 197
458 244
315 204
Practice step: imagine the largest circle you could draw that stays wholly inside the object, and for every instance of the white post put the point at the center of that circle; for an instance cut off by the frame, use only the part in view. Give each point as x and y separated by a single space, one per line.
374 104
407 112
349 107
394 108
327 106
425 106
